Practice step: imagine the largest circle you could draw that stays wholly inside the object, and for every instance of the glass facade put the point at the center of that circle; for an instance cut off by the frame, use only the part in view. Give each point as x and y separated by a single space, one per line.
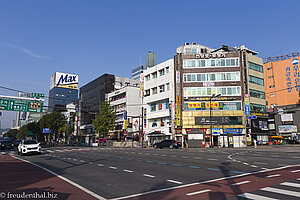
255 67
203 77
256 80
208 91
257 94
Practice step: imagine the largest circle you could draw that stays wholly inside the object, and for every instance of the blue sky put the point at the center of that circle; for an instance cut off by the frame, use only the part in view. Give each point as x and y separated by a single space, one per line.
93 37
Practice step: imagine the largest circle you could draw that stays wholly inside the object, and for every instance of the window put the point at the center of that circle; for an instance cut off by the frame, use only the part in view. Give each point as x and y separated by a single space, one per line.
167 69
270 76
154 90
257 94
257 108
272 95
218 62
229 91
213 63
168 86
161 72
256 80
227 62
153 107
154 75
255 67
270 68
228 76
212 77
208 63
147 92
232 62
189 77
162 88
193 62
202 63
147 77
198 77
222 62
193 77
271 86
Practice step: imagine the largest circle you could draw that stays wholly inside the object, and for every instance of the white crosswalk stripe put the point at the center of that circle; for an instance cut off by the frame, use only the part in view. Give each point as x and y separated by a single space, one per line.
269 190
255 196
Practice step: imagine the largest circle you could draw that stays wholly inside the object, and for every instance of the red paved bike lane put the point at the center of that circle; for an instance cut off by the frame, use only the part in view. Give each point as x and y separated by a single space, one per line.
223 188
20 177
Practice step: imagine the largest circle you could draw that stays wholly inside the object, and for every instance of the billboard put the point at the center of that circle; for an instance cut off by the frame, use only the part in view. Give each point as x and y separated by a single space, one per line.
64 80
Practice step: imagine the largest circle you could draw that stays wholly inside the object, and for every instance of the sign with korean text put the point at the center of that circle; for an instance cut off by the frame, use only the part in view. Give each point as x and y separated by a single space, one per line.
38 95
178 110
247 110
21 105
145 117
194 105
212 104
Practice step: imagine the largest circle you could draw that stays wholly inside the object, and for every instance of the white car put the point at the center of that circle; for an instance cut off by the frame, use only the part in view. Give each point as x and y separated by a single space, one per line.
29 146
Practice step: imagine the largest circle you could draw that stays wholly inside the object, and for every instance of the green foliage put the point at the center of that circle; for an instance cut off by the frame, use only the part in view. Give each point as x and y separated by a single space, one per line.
35 129
67 129
106 118
23 131
54 121
12 133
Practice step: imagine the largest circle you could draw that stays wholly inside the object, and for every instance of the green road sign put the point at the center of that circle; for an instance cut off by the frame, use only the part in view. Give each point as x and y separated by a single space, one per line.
39 95
21 105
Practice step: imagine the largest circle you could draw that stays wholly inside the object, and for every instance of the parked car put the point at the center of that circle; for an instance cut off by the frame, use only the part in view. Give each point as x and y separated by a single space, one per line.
166 143
6 144
29 147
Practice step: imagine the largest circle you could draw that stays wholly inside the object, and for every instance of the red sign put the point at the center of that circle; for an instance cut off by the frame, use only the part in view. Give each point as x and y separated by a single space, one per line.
159 106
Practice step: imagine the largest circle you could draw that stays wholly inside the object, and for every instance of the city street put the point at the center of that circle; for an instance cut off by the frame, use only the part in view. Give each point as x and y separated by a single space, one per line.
135 173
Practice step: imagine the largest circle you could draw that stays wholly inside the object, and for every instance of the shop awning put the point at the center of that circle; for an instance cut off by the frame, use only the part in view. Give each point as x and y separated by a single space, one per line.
155 134
277 137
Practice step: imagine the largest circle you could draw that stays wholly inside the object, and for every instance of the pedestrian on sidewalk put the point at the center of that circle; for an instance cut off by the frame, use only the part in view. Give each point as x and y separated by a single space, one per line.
254 141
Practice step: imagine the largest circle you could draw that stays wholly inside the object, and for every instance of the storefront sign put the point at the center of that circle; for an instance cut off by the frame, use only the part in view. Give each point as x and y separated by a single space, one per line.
287 117
247 110
212 104
233 130
228 120
145 119
211 55
194 105
170 114
215 99
287 129
208 84
178 111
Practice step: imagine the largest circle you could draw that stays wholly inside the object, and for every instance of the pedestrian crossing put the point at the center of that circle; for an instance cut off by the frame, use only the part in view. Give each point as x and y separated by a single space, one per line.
285 190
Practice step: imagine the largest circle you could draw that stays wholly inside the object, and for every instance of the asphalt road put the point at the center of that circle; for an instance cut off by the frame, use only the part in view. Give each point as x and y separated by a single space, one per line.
121 172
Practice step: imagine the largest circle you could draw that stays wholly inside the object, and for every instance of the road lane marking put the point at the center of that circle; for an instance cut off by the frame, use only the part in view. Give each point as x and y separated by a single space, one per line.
211 159
163 155
274 175
172 181
255 196
253 165
176 165
149 161
199 192
213 169
291 184
296 171
184 157
264 168
197 158
126 170
91 163
194 167
111 167
204 182
281 191
82 161
237 172
245 163
148 175
240 183
260 163
65 179
162 163
100 165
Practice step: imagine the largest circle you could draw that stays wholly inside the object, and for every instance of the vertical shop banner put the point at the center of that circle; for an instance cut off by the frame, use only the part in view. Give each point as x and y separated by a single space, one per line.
178 111
170 114
247 107
145 119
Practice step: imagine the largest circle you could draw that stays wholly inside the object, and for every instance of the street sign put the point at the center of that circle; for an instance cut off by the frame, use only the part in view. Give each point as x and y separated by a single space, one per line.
39 95
252 117
21 105
46 130
247 110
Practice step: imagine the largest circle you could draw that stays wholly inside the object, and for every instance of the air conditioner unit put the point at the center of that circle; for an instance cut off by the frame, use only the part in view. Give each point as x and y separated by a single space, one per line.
187 43
194 43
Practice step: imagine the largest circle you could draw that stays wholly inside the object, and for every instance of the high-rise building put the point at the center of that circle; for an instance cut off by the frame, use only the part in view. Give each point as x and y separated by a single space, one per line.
215 91
150 59
63 90
136 72
282 80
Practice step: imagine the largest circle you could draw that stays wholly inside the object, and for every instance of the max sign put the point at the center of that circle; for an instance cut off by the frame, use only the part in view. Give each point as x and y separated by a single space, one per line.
64 80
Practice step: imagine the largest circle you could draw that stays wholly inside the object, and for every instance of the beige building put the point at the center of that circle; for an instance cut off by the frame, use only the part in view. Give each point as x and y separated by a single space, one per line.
215 91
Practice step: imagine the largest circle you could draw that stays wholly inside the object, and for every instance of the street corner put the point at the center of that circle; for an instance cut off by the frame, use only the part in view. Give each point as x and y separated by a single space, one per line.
24 180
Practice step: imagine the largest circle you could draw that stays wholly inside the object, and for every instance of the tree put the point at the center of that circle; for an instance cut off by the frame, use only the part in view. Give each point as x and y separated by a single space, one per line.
54 121
12 133
106 118
35 129
23 132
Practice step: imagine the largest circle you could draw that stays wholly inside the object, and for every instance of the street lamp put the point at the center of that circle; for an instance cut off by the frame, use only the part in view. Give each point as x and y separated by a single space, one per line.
210 117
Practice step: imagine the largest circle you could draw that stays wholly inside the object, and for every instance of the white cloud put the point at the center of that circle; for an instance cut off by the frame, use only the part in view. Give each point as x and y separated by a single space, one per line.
27 51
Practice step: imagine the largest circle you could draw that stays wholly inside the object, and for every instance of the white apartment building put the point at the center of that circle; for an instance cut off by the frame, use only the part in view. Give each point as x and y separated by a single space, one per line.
158 94
127 102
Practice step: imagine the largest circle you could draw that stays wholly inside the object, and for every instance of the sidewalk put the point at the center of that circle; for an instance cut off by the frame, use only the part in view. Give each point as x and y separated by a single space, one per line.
22 178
